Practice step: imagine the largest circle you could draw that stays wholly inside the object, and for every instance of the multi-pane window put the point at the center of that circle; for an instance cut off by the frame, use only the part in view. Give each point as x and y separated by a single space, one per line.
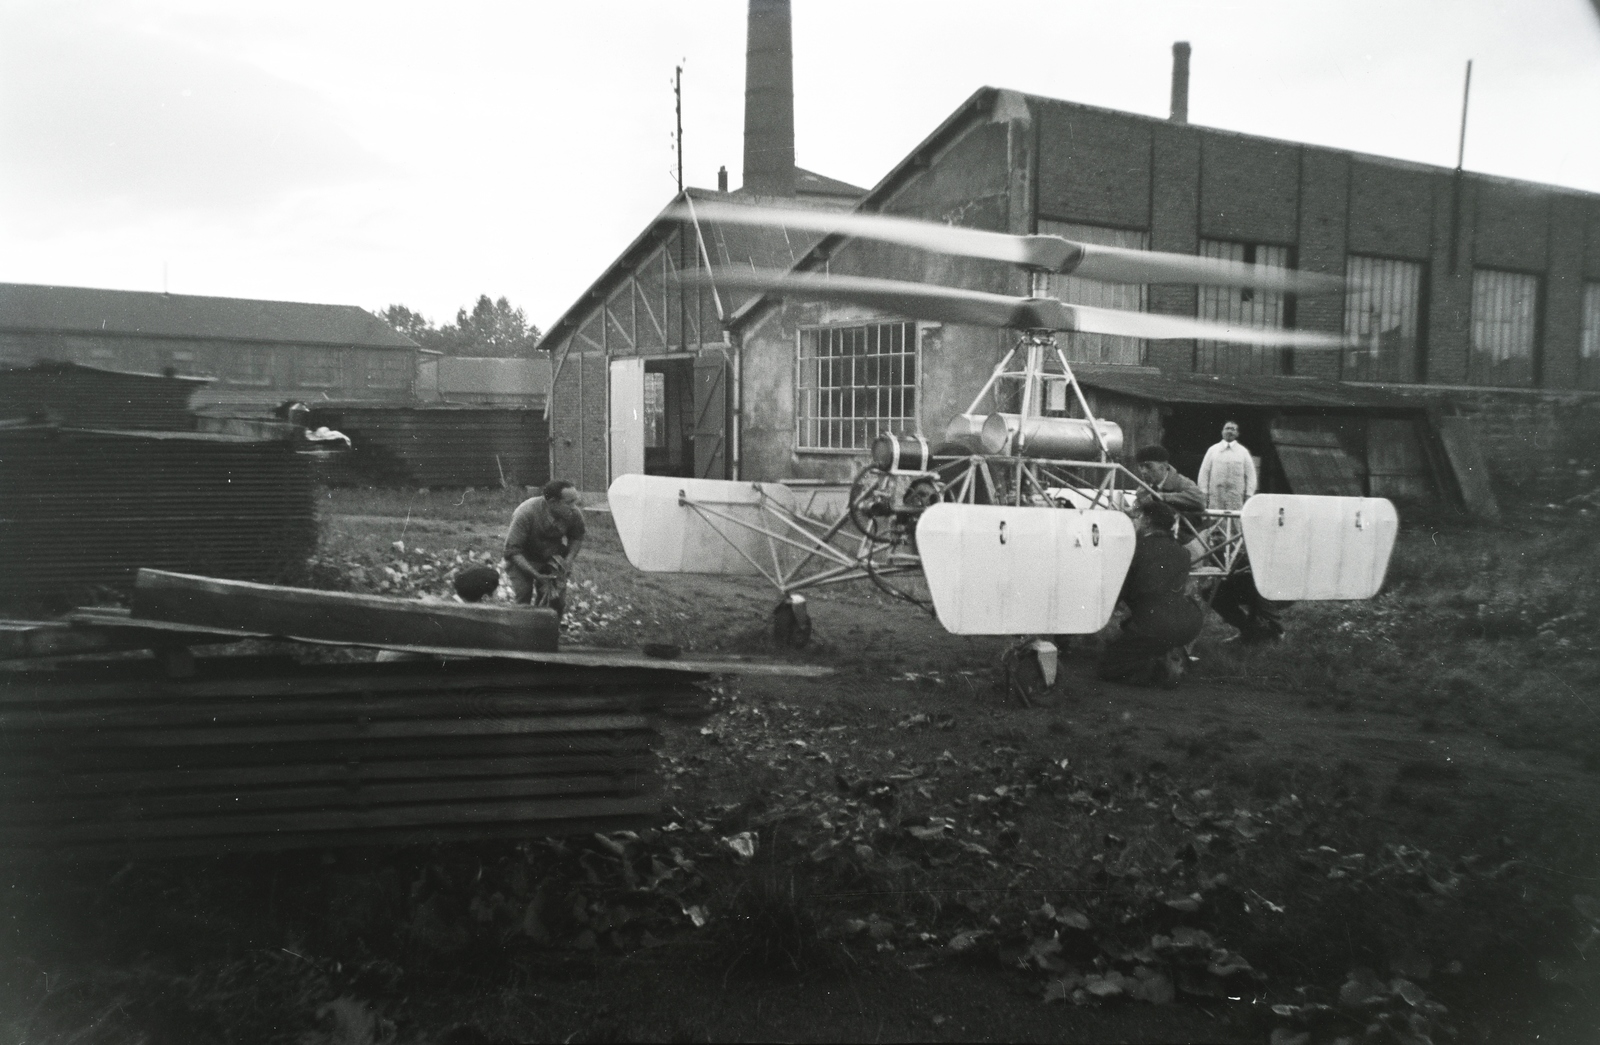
389 369
1101 348
853 383
1383 307
319 367
1245 307
1589 347
250 366
1505 308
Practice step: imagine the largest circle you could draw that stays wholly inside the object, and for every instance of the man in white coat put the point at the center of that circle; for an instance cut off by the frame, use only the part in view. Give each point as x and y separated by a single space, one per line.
1227 475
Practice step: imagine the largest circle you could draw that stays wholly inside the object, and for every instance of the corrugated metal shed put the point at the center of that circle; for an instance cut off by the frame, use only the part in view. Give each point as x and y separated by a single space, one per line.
85 310
92 397
445 446
83 508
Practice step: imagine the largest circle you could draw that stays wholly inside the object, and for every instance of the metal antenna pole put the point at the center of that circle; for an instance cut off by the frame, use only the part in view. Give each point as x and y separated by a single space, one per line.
677 96
1466 94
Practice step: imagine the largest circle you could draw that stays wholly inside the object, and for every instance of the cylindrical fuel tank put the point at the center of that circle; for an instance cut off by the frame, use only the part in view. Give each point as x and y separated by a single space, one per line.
1051 438
965 431
900 453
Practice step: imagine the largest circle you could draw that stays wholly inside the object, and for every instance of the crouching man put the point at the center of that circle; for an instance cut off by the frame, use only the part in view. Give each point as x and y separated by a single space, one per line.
546 533
1159 616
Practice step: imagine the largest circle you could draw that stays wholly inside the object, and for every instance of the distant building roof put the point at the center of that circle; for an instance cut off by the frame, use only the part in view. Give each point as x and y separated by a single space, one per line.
1247 391
810 183
491 375
72 394
31 308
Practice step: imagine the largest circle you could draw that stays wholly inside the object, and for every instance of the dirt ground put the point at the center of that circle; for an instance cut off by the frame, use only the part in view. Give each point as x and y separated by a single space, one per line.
1382 829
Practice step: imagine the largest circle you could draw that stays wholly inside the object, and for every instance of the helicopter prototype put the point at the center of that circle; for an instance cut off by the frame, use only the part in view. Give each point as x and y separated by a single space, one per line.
1015 521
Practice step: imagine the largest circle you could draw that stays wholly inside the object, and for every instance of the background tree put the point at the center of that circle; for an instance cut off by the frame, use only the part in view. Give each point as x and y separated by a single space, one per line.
492 328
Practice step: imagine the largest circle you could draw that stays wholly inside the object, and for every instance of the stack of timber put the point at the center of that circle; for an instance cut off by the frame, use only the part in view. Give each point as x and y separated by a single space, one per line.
115 759
485 731
81 509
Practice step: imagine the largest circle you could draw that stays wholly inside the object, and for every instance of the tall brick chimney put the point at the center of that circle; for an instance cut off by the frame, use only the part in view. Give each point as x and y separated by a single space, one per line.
769 101
1180 82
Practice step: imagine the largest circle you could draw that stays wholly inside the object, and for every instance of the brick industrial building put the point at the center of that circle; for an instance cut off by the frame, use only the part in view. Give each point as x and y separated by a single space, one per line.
1479 296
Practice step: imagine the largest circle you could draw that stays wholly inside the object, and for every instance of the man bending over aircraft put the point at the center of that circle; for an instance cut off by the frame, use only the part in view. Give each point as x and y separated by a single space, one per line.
1160 617
546 533
1170 485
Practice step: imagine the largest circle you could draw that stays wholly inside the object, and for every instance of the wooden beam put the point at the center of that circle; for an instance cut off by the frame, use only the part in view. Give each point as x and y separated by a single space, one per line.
338 616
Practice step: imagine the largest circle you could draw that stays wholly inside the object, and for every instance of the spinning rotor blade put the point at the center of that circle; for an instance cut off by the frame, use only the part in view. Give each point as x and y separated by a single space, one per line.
1051 253
980 308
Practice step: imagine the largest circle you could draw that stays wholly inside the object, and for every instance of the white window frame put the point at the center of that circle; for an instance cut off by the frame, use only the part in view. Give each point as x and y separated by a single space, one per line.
312 360
251 366
381 365
1246 306
830 426
1589 346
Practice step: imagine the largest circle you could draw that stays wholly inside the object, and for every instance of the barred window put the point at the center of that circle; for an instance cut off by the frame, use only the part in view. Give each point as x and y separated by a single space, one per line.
853 383
319 367
1383 307
1245 307
1589 347
1130 297
1504 326
389 369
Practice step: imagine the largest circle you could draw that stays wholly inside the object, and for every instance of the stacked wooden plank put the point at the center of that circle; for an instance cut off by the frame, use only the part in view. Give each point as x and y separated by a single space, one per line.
114 759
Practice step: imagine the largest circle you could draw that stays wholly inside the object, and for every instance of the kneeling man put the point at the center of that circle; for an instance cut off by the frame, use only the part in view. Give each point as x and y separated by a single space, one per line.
1161 618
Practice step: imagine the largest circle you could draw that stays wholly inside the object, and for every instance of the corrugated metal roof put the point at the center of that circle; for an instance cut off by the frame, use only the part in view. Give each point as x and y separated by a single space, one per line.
85 310
84 396
1261 391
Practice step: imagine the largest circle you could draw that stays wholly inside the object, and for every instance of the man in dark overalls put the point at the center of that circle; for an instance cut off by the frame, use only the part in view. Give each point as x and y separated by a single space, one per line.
1161 618
545 535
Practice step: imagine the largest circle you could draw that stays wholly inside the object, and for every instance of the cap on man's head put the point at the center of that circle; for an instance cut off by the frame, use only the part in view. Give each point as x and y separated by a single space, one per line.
477 582
1153 453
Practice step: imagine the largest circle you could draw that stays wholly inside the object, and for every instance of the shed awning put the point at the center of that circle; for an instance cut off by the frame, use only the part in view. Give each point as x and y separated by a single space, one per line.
1244 391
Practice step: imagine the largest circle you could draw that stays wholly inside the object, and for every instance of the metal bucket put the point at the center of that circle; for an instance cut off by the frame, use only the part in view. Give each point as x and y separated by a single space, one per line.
1052 438
899 454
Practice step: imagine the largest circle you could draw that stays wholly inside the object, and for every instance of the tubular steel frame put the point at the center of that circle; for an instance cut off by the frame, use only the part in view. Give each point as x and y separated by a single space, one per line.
824 553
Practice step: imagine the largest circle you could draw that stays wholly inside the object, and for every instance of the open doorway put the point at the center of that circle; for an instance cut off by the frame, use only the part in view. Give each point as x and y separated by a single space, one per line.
669 417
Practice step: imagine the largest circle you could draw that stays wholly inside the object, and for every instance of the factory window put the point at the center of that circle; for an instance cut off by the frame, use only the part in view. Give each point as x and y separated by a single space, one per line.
389 370
319 368
250 366
1245 307
1505 309
854 382
1383 307
1101 348
1589 347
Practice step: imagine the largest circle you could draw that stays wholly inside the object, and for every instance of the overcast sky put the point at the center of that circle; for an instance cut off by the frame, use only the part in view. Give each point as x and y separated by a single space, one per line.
424 153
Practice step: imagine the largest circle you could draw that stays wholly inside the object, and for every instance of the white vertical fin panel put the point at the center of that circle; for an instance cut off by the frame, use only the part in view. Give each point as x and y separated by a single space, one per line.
722 535
998 570
1305 548
627 417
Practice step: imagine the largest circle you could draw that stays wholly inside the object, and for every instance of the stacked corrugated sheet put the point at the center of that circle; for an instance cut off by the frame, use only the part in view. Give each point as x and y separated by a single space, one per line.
117 761
80 508
439 446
